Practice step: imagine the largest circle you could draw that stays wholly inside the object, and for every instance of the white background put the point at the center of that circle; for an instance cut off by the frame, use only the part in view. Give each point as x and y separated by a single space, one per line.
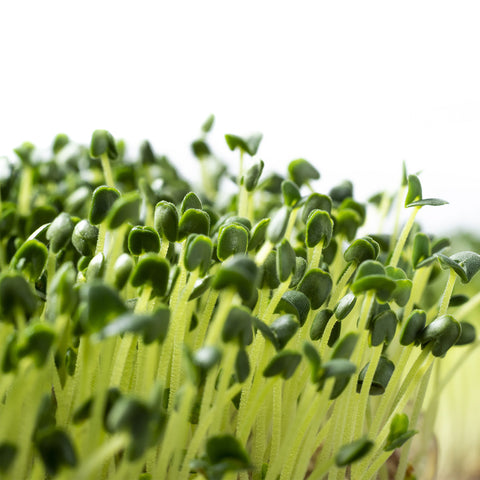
355 87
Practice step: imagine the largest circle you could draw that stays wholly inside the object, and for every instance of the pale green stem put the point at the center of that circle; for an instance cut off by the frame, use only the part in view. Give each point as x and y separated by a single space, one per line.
361 403
420 397
205 317
341 284
179 329
262 254
388 397
382 436
25 191
403 237
203 426
115 249
102 233
291 224
447 294
107 170
164 248
104 452
177 431
314 254
228 365
399 202
276 420
215 330
259 440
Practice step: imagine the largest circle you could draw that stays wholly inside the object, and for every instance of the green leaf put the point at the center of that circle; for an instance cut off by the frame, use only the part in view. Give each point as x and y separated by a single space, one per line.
258 234
206 357
143 240
345 346
103 143
442 333
147 156
291 193
198 253
238 326
371 276
266 331
200 149
345 306
96 267
208 124
84 238
342 191
24 153
153 326
239 272
59 232
193 221
10 357
421 251
316 285
242 366
124 209
166 220
59 142
16 295
56 450
319 228
30 259
468 335
319 323
103 304
347 223
102 200
36 341
201 288
382 327
232 239
313 358
278 225
362 249
399 433
249 145
353 451
253 176
153 270
226 448
284 328
8 453
413 327
299 272
316 201
296 303
285 260
381 377
339 368
137 419
284 363
190 200
302 171
414 191
433 202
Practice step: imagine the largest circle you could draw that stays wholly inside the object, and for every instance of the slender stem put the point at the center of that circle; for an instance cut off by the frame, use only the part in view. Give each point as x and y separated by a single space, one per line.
420 397
447 294
107 170
403 237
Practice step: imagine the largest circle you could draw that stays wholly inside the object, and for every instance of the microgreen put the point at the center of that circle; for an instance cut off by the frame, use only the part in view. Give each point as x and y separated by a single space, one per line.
149 329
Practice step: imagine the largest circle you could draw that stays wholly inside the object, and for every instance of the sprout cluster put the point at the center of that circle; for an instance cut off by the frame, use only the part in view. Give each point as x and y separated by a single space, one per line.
153 330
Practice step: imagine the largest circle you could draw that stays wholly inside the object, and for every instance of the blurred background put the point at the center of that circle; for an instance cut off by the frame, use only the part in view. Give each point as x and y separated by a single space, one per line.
354 87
